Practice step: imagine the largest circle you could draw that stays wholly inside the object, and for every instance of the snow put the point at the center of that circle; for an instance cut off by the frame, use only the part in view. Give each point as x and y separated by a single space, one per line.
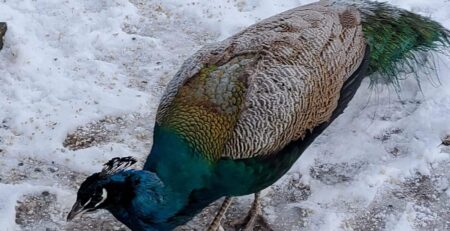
99 67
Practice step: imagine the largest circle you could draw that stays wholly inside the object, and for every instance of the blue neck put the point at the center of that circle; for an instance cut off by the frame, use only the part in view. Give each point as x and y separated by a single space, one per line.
178 165
144 202
183 170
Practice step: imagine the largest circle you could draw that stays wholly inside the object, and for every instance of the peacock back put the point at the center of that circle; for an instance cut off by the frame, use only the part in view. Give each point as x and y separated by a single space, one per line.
255 92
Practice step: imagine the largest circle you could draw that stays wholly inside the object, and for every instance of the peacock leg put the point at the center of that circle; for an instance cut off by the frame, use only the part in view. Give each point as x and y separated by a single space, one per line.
215 225
255 214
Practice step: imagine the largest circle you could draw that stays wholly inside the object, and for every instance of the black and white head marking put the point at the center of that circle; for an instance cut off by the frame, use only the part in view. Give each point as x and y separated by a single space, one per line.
93 193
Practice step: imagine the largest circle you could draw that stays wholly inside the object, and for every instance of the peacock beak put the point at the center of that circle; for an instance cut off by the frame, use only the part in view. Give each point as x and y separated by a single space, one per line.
77 209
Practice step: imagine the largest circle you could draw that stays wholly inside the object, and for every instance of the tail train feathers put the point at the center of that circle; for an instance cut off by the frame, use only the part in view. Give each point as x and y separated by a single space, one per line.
400 40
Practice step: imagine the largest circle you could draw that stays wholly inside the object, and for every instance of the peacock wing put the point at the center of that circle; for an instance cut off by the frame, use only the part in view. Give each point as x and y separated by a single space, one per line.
252 94
206 107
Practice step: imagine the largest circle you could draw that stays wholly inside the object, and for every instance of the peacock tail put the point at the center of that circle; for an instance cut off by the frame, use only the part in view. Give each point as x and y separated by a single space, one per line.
400 40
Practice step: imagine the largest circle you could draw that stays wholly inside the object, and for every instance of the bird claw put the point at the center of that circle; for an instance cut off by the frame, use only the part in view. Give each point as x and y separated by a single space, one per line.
251 221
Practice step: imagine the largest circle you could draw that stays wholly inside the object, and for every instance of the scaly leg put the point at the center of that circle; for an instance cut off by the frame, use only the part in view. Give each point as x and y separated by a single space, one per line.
215 225
254 214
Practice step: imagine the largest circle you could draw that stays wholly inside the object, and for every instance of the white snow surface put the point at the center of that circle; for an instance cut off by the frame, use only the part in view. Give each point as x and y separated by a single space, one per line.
66 64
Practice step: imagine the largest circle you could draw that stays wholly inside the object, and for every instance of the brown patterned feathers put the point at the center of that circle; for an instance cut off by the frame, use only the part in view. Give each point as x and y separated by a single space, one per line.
252 94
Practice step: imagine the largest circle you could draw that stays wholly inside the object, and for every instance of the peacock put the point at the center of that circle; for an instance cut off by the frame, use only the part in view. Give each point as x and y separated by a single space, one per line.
240 112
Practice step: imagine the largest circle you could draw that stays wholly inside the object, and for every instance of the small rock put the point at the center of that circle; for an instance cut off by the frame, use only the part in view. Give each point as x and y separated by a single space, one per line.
446 141
3 29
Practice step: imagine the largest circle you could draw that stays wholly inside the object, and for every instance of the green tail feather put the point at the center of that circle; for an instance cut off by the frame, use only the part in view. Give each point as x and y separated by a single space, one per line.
400 40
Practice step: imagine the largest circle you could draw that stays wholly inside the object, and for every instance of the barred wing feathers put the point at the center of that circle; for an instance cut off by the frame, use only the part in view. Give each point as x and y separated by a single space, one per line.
252 94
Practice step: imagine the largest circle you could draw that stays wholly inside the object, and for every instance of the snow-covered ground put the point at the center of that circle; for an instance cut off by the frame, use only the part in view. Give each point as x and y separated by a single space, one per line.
80 82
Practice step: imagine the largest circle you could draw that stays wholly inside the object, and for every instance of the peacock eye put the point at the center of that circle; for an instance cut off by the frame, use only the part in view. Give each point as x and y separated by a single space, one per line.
96 197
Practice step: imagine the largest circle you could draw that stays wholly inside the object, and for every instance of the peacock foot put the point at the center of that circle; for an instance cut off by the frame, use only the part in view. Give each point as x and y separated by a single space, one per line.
249 224
215 224
254 218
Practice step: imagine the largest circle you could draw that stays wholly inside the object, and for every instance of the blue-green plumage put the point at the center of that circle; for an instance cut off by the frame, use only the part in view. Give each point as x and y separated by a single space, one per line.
239 113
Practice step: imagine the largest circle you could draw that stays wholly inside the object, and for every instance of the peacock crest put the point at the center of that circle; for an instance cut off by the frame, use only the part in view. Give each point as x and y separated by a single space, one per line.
117 164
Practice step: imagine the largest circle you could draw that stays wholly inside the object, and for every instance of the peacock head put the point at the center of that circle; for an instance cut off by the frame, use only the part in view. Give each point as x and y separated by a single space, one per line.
101 190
